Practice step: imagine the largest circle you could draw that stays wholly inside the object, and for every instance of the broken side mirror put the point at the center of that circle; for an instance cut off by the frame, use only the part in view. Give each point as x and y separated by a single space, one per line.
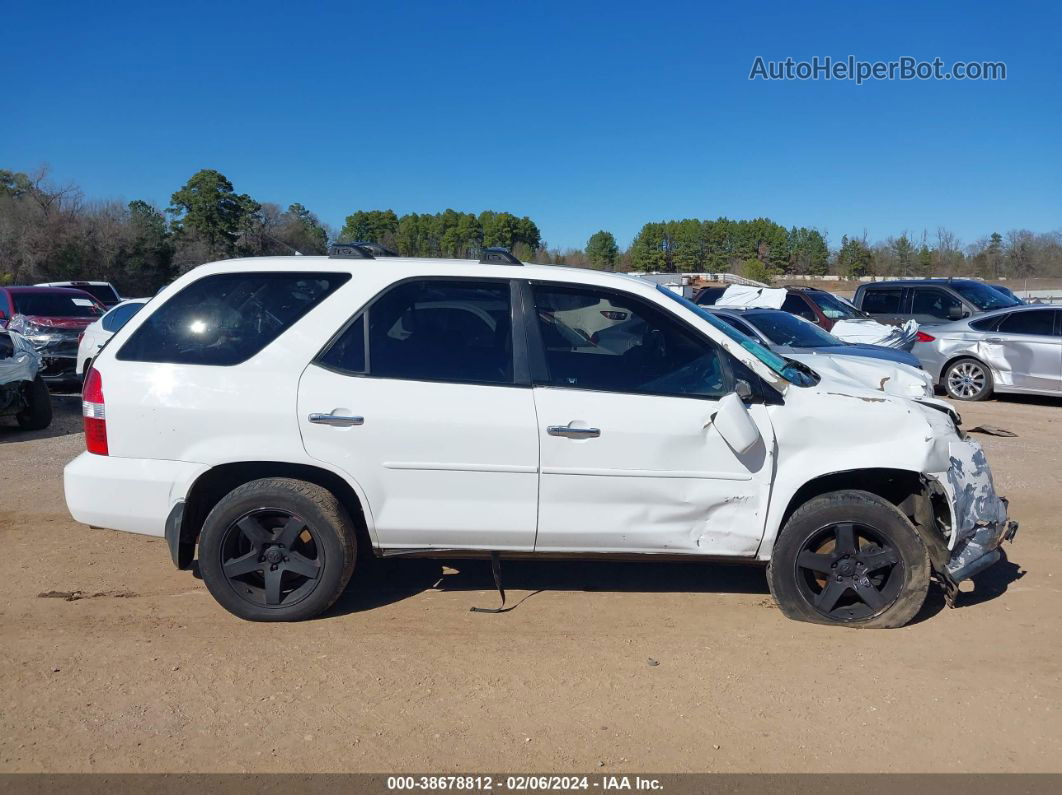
735 424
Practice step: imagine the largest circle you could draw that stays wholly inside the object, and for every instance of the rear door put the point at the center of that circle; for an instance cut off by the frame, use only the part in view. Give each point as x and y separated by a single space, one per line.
425 401
631 461
1031 349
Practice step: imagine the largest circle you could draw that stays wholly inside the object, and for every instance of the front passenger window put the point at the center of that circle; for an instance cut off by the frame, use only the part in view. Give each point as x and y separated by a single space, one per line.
647 352
935 303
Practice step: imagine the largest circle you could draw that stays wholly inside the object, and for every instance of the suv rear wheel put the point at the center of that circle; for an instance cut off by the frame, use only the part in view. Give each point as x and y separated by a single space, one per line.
968 379
850 558
277 549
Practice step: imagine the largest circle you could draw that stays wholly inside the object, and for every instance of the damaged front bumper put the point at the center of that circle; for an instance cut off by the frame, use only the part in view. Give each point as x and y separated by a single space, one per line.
980 521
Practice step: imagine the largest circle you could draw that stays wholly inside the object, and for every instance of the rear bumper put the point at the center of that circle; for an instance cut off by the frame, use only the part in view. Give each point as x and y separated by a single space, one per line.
135 495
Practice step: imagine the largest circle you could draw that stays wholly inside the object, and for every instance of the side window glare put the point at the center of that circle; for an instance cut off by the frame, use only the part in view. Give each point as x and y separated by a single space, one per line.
227 318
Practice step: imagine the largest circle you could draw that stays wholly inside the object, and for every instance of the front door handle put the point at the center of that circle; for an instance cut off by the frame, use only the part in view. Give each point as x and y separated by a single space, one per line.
568 432
336 420
996 340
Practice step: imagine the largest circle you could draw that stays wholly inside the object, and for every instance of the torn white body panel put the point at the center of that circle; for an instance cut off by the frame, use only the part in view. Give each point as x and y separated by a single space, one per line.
873 333
23 364
744 295
829 429
816 438
878 374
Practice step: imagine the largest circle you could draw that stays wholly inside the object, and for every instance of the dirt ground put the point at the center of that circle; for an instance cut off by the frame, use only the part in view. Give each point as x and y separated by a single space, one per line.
601 667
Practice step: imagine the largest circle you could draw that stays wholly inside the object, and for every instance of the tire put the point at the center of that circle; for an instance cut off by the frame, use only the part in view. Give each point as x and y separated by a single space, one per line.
277 549
967 379
818 574
38 414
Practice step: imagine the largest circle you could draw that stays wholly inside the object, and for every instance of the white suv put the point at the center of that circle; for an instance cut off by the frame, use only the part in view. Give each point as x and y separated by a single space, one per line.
281 416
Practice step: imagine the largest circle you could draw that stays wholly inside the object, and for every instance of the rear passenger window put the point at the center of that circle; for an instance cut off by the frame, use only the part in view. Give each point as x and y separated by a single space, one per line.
119 316
795 305
881 302
1037 321
431 330
228 318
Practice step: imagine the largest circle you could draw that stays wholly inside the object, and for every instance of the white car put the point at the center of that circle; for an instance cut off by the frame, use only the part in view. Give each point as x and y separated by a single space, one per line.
279 417
96 334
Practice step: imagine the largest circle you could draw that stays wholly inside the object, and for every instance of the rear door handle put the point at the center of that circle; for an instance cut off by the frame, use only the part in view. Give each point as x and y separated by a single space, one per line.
568 432
994 339
336 420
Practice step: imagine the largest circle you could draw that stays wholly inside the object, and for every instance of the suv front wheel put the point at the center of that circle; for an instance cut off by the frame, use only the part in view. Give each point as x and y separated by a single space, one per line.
849 558
277 549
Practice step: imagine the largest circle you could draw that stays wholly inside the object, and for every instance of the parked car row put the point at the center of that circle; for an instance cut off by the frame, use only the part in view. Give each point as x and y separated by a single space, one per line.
58 317
277 418
975 339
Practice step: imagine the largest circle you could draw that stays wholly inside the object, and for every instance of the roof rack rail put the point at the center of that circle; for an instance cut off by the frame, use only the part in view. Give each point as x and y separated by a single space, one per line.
497 255
349 251
375 249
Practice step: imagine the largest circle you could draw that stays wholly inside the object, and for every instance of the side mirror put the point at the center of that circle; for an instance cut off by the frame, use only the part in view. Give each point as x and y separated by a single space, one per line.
735 424
955 313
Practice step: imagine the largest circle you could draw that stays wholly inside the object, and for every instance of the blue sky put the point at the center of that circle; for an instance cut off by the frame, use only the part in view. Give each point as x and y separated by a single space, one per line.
582 115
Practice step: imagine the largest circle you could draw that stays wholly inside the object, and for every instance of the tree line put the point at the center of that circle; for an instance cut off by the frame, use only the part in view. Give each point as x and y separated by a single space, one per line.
52 233
446 234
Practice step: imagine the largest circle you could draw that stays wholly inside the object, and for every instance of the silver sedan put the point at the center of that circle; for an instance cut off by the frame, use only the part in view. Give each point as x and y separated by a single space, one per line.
1018 349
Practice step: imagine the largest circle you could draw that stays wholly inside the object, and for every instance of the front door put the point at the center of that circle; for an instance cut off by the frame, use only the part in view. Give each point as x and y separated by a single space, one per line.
419 401
630 460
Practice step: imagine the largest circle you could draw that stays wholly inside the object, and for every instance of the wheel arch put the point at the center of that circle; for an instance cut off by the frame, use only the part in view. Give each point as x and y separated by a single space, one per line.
213 484
920 499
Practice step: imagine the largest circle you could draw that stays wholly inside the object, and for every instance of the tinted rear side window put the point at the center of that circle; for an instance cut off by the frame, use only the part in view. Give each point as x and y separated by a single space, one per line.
228 318
796 305
119 316
1036 321
881 302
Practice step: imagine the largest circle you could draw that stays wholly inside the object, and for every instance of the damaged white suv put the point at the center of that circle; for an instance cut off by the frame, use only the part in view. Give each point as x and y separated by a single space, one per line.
278 417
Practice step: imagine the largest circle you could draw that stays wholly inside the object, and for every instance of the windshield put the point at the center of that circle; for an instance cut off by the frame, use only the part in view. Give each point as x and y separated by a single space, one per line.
55 305
782 328
834 308
783 367
984 297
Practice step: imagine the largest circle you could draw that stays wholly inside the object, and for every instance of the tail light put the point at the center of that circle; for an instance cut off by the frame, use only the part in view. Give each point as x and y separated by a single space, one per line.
94 414
921 336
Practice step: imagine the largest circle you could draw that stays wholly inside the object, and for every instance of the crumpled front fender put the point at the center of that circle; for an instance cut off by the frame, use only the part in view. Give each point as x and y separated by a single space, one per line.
979 521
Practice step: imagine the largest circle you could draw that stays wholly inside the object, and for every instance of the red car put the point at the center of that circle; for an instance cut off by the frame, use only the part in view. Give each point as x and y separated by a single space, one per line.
819 306
52 319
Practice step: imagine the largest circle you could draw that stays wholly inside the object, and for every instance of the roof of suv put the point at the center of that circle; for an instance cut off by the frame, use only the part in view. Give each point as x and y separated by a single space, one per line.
909 282
427 266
